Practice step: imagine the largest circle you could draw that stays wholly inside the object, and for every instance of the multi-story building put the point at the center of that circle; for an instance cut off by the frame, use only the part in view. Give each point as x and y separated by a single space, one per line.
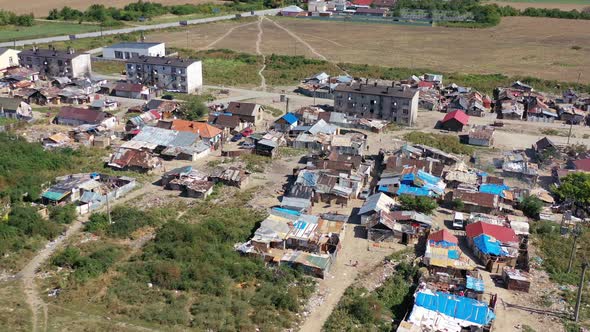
128 50
398 104
175 74
51 62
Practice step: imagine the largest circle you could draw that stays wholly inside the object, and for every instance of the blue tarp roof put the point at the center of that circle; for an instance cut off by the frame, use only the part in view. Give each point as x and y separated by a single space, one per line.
287 211
404 189
488 245
475 284
427 177
456 306
496 189
290 118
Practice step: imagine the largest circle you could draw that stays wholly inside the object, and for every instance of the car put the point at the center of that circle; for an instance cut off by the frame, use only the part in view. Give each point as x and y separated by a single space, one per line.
248 145
247 132
237 137
168 97
458 221
365 193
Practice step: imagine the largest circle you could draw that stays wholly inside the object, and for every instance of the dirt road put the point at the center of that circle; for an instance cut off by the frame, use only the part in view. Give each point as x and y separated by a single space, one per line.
28 273
259 52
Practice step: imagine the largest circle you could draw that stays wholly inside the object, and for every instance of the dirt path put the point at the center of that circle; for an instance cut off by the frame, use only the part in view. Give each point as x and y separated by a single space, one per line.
342 275
299 39
28 273
225 35
259 52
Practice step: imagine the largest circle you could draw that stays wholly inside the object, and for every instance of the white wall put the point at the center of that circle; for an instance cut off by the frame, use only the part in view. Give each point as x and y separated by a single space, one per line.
7 56
157 50
194 77
81 65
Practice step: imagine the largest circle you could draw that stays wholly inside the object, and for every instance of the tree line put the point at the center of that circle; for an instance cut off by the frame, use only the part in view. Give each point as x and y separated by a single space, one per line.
141 10
488 15
10 18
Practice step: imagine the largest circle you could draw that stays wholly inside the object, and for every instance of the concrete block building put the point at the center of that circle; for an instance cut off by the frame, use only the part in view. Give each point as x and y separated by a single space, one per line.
124 51
171 74
394 103
51 62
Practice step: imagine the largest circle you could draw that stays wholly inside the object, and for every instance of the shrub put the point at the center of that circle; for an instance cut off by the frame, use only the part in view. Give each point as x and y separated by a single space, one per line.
445 143
531 206
63 214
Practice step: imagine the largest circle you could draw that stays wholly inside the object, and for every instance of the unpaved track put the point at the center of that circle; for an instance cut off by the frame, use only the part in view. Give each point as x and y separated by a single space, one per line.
292 34
225 35
259 52
28 273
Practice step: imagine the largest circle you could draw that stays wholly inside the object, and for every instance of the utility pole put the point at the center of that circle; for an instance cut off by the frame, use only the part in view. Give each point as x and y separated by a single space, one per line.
571 125
580 287
572 252
108 205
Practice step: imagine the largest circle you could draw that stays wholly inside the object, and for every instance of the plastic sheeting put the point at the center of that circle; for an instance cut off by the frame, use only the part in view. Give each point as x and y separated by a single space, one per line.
475 284
458 307
488 245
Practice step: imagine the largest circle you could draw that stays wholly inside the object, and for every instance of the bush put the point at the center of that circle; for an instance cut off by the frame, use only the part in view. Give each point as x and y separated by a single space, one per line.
458 204
63 214
125 221
531 206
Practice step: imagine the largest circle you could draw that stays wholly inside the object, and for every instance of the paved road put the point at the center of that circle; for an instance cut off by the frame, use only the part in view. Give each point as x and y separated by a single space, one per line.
134 29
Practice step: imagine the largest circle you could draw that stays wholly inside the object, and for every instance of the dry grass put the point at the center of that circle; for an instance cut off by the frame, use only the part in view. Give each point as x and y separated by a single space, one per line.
539 47
563 6
42 8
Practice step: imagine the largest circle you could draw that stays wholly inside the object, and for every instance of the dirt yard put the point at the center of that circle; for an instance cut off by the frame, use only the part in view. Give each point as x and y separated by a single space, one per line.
42 8
539 47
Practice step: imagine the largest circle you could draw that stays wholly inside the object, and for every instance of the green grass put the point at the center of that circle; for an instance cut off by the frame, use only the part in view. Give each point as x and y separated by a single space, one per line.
446 143
108 67
5 121
44 29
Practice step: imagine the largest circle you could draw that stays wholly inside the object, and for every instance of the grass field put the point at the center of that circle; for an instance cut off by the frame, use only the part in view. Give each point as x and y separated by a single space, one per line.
44 29
42 8
524 46
563 5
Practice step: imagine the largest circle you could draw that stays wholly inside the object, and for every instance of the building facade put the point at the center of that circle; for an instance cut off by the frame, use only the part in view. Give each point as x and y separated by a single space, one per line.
8 58
52 62
124 51
174 74
394 103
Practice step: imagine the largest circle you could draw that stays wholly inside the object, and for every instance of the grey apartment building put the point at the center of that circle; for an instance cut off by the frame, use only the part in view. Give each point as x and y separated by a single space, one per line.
52 63
174 74
394 103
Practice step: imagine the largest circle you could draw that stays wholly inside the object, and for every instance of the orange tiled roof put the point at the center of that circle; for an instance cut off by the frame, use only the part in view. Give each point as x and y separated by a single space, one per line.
204 129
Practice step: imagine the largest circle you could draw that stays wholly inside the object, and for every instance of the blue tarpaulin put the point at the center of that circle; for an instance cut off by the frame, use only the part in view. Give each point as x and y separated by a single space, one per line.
475 284
404 189
496 189
453 254
488 245
290 118
443 244
287 211
456 306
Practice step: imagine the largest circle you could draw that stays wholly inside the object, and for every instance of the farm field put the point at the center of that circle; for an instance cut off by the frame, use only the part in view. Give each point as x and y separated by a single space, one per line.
42 8
547 48
44 29
563 5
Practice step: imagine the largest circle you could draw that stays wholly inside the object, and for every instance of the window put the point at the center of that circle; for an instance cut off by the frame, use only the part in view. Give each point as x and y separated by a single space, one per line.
406 112
118 55
60 63
29 58
130 66
127 55
182 79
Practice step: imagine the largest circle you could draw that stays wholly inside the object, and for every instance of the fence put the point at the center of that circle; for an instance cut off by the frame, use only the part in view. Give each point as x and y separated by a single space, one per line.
366 19
112 196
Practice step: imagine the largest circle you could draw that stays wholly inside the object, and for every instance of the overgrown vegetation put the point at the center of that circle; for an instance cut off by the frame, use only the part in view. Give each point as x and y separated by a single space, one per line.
255 163
420 204
87 267
555 250
193 108
483 15
126 220
575 189
446 143
362 310
201 282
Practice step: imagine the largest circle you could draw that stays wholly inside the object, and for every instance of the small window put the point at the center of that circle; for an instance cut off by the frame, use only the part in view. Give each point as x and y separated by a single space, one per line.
118 55
60 63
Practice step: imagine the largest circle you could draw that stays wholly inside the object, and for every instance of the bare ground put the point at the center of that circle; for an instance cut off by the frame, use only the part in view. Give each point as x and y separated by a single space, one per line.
539 47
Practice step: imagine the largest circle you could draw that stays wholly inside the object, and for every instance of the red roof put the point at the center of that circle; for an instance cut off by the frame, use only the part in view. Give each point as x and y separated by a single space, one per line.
362 2
443 235
424 84
582 165
500 233
457 115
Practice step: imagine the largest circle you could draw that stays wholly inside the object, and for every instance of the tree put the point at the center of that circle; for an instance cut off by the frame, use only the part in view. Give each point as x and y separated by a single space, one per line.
193 108
420 204
531 206
458 204
575 189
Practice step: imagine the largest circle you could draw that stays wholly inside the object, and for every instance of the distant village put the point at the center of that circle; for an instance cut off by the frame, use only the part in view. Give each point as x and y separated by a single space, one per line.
486 228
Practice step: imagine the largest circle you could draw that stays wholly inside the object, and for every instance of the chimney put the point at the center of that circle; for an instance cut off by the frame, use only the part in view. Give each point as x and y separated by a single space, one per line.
366 80
392 84
375 84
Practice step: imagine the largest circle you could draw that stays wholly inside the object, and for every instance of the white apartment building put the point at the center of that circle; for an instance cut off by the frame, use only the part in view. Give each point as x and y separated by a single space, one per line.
171 74
124 51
